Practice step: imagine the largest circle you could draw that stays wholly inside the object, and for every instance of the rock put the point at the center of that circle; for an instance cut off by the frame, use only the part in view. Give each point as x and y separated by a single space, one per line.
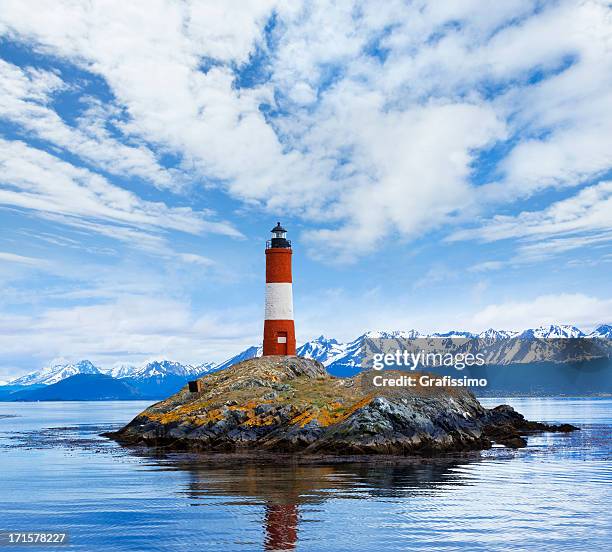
291 404
564 428
264 408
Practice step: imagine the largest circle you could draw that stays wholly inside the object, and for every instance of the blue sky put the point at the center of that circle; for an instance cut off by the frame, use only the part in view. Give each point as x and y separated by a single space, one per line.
437 165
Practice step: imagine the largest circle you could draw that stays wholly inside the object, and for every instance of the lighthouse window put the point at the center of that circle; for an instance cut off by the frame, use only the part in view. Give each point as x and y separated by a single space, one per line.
282 339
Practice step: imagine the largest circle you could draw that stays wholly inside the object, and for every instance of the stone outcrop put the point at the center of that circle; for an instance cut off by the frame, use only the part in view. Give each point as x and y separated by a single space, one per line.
291 404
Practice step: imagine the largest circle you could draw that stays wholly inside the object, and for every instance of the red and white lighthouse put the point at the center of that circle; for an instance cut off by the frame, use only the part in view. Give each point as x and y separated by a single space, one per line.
279 328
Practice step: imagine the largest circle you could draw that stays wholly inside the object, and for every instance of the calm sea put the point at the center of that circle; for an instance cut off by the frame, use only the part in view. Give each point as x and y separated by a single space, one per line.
56 474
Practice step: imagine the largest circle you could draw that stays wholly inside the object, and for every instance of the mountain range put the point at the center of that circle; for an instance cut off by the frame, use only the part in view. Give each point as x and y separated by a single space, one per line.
159 378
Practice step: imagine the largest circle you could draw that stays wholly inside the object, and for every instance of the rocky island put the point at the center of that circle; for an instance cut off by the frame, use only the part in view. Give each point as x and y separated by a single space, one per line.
292 405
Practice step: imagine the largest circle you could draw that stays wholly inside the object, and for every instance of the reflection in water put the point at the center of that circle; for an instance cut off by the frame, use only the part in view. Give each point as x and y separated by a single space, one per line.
282 486
281 526
58 473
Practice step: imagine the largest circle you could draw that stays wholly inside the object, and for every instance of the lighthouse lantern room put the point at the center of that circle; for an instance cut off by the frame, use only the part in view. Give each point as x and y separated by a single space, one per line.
279 328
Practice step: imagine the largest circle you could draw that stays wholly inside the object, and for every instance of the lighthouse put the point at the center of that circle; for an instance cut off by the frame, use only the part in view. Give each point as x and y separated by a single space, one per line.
279 328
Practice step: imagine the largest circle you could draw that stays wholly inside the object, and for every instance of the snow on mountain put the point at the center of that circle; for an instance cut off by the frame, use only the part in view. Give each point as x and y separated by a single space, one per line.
491 335
164 368
121 370
338 357
345 358
397 334
341 358
205 367
552 332
496 334
56 372
604 331
322 349
251 352
159 368
454 335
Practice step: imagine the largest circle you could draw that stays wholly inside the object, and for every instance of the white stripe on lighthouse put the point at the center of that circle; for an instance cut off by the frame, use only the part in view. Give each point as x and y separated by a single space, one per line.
279 301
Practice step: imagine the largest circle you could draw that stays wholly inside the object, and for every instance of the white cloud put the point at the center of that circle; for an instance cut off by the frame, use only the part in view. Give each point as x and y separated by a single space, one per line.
196 259
24 100
381 136
566 136
418 168
584 219
37 181
587 211
128 328
486 266
21 259
578 309
380 112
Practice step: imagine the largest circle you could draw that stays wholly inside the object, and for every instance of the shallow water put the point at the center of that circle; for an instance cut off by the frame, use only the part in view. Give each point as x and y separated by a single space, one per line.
57 474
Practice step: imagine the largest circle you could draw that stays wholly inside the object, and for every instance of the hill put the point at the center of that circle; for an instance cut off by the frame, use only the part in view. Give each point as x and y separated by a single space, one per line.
82 387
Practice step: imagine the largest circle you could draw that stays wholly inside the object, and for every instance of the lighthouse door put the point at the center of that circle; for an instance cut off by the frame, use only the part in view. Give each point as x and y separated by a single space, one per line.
281 340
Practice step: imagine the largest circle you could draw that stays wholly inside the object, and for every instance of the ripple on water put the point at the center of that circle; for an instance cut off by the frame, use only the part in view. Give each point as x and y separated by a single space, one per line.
552 495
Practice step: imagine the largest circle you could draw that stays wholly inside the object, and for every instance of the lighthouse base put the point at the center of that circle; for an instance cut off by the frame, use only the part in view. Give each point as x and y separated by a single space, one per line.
279 337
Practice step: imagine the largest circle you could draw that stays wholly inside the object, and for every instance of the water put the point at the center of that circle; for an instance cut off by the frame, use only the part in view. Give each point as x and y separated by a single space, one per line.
56 474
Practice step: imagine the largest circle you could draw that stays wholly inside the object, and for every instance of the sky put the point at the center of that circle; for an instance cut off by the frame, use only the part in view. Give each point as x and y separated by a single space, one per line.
438 165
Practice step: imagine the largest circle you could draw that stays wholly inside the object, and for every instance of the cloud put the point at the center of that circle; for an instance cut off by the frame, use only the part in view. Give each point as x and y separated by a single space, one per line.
34 180
419 172
584 311
21 259
588 210
486 266
376 123
156 75
565 139
25 95
367 118
127 328
584 219
196 259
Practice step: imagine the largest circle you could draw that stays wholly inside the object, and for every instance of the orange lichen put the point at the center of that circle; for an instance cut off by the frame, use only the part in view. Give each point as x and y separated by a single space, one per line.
329 414
356 406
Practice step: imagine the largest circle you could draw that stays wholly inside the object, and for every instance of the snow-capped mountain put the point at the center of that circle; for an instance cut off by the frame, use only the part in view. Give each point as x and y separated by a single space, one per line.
396 334
161 369
343 357
552 332
154 369
453 334
205 367
251 352
530 345
323 349
56 372
492 334
121 370
604 331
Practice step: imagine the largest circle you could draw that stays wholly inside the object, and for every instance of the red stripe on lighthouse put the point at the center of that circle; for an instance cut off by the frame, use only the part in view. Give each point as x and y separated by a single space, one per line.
279 337
278 265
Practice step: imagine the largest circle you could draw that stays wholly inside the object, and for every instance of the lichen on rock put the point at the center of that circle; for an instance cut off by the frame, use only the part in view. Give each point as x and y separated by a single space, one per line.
291 404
